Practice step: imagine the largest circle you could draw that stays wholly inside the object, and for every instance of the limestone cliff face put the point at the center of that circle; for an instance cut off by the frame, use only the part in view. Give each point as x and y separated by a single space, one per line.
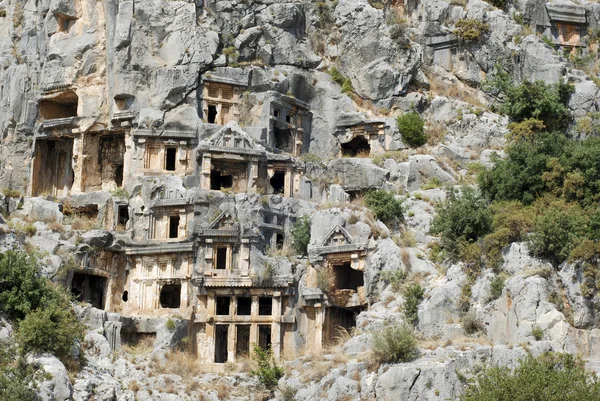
165 149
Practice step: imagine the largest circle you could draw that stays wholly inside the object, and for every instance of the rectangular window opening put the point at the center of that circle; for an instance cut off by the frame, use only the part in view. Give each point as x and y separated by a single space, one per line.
265 306
244 306
173 226
264 336
170 156
221 336
221 258
223 305
242 346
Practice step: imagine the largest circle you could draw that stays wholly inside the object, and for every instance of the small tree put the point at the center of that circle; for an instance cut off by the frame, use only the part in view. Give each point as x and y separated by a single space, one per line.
53 328
463 218
301 235
385 206
268 372
22 289
556 232
394 344
411 127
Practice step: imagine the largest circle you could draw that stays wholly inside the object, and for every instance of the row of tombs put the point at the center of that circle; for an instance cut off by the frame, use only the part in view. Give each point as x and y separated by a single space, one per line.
219 154
227 293
188 254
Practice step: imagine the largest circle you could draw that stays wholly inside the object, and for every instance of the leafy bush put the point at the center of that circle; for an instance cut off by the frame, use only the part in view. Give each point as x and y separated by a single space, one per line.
550 377
539 101
556 232
170 324
52 328
17 378
496 286
44 317
268 372
463 218
413 295
385 206
519 176
22 289
537 332
411 127
471 29
301 234
394 344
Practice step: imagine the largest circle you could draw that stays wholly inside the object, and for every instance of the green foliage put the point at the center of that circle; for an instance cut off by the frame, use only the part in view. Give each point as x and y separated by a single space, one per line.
537 333
540 101
22 289
413 295
44 317
17 378
471 29
394 344
394 277
556 232
411 127
385 206
549 377
301 234
120 193
519 176
268 372
496 286
345 83
52 328
170 325
463 218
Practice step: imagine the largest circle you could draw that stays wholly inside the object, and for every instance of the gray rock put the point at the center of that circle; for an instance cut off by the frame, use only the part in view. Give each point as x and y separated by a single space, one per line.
57 386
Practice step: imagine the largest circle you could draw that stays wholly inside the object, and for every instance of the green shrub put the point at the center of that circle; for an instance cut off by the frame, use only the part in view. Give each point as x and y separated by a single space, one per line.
471 29
537 332
394 277
22 289
539 101
385 206
463 218
496 286
301 234
411 127
52 328
394 344
17 378
170 324
268 372
556 232
519 176
549 377
413 295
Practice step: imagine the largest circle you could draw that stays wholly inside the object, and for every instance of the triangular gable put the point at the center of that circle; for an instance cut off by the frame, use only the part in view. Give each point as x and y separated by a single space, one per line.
224 221
232 136
338 236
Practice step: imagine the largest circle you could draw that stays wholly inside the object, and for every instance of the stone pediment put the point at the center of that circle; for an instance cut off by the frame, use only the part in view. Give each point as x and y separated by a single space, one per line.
338 236
232 136
224 221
